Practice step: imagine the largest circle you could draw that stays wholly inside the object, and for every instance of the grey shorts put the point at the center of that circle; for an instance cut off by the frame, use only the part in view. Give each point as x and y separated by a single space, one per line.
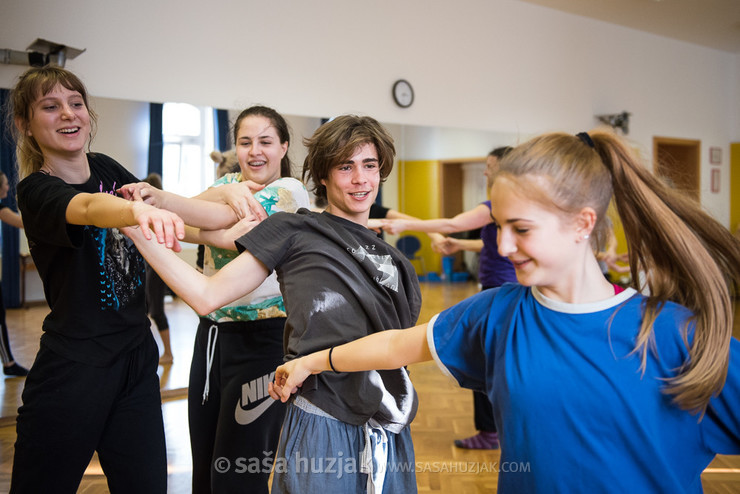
320 454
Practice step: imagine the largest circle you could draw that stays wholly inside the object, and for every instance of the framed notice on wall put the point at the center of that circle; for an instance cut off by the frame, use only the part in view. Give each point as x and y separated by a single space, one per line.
715 180
715 155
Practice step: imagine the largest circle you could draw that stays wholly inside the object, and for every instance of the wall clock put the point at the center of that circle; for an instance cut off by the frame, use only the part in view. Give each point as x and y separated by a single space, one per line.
403 93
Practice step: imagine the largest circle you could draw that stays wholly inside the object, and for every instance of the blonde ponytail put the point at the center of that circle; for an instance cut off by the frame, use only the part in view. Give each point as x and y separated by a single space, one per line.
688 257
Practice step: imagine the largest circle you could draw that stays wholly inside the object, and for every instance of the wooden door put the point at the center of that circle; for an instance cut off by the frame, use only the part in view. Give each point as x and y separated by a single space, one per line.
678 161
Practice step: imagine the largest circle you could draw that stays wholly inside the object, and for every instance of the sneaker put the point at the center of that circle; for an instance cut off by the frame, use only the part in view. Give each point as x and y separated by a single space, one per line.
482 440
15 370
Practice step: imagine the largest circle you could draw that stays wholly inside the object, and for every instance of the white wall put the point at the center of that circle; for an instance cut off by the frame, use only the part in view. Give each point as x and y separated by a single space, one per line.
123 132
487 65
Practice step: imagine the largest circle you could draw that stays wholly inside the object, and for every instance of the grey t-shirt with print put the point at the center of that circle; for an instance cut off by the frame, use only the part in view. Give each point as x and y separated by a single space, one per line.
341 282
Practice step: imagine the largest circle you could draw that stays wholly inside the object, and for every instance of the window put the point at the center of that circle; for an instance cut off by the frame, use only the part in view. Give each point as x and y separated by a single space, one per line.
188 140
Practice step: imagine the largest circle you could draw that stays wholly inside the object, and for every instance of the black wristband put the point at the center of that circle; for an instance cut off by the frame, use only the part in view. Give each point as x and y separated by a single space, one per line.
330 362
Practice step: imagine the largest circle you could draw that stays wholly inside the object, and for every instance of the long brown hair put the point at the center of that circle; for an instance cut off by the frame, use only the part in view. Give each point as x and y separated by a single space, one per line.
36 82
688 257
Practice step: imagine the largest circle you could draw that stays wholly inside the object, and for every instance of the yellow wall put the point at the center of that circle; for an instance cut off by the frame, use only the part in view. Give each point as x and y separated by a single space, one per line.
418 192
734 186
621 241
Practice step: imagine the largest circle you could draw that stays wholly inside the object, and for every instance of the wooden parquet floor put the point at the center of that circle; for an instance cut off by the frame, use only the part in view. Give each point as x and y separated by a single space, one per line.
445 412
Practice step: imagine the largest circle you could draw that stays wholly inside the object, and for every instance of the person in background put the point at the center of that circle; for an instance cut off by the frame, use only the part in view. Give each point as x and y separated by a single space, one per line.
595 388
93 385
332 269
11 368
493 271
155 293
226 161
608 258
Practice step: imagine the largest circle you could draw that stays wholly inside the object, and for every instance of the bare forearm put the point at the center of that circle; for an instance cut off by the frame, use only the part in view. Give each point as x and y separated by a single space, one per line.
11 217
210 194
384 350
197 236
214 238
473 245
177 274
199 213
436 237
439 225
390 349
224 238
477 217
101 210
203 293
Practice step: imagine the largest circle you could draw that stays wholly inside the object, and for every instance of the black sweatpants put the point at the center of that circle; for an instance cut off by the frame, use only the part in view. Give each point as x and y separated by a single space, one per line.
71 410
234 433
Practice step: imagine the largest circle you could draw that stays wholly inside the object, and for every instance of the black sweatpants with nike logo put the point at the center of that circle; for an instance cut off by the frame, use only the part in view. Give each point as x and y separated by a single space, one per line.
235 425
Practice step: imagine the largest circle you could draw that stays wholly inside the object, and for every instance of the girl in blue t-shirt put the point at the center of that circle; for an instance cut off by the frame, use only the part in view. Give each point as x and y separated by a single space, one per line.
636 393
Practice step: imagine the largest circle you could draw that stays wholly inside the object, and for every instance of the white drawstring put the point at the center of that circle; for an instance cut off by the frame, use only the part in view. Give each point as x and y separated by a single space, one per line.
374 457
210 351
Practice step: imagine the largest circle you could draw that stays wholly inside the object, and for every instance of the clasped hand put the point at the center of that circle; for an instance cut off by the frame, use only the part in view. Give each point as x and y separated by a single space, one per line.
167 226
288 378
238 196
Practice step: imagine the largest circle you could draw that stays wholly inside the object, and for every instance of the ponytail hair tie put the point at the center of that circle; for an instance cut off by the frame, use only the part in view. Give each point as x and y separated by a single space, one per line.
583 136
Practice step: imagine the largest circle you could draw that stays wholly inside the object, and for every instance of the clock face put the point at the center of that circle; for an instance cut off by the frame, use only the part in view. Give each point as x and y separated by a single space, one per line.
403 93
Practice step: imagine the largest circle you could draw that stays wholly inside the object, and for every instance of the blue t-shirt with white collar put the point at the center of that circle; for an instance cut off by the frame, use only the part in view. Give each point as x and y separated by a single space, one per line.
574 411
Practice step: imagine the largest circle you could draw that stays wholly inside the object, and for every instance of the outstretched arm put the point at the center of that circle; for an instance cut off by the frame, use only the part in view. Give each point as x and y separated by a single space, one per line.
224 238
203 293
452 245
238 196
477 217
199 213
10 217
108 211
397 215
390 349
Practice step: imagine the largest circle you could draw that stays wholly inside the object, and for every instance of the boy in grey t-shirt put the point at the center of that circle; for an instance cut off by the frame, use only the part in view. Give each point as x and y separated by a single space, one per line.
339 282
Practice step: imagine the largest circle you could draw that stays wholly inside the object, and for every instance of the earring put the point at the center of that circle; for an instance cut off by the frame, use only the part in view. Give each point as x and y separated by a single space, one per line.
585 237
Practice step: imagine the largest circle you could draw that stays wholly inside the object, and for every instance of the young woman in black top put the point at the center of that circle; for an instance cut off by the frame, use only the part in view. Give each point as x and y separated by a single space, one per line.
93 386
